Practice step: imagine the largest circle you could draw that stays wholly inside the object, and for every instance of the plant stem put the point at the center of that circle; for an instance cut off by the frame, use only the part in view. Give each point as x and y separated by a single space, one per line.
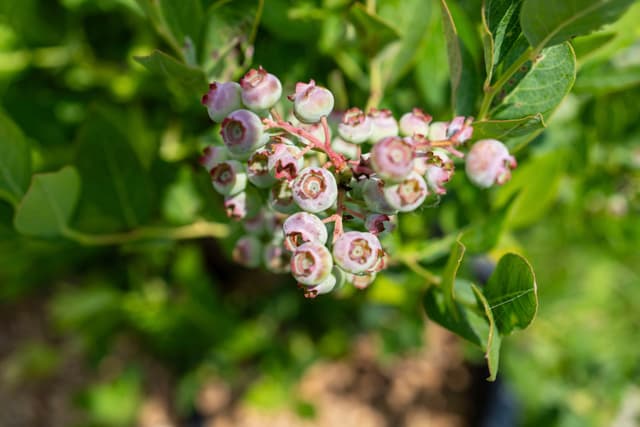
415 266
376 85
492 91
196 230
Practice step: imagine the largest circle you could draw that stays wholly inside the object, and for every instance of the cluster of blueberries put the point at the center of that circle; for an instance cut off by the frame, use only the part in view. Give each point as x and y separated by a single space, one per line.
315 204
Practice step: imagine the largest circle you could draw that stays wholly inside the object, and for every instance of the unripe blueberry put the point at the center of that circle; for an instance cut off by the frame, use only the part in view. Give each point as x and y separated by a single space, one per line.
212 155
373 195
258 169
276 259
488 163
281 198
222 99
378 223
311 102
439 170
311 263
438 131
392 158
229 178
303 227
260 90
247 252
383 125
315 189
356 127
415 122
324 287
255 224
347 149
285 161
242 132
408 194
460 129
242 205
356 252
361 281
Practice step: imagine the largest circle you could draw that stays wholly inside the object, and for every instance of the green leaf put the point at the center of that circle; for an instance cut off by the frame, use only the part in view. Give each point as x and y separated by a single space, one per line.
551 22
188 78
452 317
462 70
374 33
15 161
482 236
183 18
451 270
505 129
113 176
432 79
541 88
606 78
47 207
512 293
501 25
491 338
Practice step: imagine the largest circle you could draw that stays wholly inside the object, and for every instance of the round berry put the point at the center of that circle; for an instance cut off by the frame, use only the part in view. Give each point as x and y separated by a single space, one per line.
242 205
347 149
438 131
258 169
324 287
459 129
356 127
276 259
260 90
222 99
383 125
373 195
415 122
247 251
285 161
311 102
303 227
489 163
378 223
438 171
361 281
229 177
356 252
212 155
242 132
281 198
311 263
314 189
392 158
407 195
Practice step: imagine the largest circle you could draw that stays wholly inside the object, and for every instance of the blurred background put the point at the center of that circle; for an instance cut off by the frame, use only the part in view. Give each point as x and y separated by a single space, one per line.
169 332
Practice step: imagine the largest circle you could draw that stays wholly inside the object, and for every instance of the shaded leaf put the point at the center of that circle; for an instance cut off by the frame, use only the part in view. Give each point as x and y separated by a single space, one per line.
606 78
551 22
188 78
47 206
15 161
501 23
491 337
374 33
451 270
512 293
505 129
452 317
183 18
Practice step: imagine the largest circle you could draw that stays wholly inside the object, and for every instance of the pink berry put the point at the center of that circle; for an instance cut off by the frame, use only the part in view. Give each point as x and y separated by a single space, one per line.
355 127
242 132
377 223
229 178
276 259
281 198
222 99
258 169
311 263
285 161
242 205
438 131
303 227
373 195
314 189
407 195
311 102
438 171
347 149
383 125
460 129
489 163
247 252
415 122
361 281
356 252
212 155
392 158
260 90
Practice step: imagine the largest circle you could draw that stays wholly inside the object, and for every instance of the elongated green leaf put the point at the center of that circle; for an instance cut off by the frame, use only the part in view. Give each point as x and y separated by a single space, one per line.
47 206
114 180
540 88
452 317
551 22
606 78
190 79
505 129
451 270
461 68
374 33
431 77
15 161
491 338
501 24
183 18
512 294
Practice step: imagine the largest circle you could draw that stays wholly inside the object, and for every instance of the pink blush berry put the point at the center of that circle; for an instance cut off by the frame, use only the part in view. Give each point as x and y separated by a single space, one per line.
383 125
439 170
392 158
408 194
356 252
229 178
355 127
489 163
373 195
247 252
260 90
311 263
311 102
303 227
285 161
242 132
222 99
377 223
415 123
315 189
258 169
276 258
211 156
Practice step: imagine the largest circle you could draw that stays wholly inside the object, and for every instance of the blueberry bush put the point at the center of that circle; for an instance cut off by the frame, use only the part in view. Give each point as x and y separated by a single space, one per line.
242 188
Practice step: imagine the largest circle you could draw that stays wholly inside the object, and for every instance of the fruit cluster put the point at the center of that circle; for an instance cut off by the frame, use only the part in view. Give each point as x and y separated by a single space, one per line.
315 205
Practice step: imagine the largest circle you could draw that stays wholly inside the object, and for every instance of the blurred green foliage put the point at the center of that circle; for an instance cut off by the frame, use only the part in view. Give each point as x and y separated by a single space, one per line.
100 99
